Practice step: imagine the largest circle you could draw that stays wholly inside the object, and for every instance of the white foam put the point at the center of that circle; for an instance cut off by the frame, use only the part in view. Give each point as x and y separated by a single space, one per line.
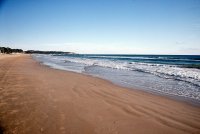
187 74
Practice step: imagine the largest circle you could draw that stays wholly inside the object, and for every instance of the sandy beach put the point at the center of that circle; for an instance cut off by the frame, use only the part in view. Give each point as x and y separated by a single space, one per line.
37 99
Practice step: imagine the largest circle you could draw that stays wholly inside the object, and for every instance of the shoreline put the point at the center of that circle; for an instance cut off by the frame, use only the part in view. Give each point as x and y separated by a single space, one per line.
168 96
77 103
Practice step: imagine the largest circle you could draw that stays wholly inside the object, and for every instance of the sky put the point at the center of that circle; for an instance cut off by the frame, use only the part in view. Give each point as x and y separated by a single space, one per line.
102 26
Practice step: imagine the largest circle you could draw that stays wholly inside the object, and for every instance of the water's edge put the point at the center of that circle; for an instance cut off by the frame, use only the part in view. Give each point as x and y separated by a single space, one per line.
169 96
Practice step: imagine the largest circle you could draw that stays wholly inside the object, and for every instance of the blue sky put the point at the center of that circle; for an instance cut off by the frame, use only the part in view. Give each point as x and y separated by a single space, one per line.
102 26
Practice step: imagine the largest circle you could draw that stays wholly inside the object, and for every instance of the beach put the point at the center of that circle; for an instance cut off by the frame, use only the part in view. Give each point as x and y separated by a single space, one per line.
37 99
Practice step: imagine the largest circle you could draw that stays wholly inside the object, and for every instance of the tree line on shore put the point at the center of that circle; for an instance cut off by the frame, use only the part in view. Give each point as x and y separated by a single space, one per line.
7 50
46 52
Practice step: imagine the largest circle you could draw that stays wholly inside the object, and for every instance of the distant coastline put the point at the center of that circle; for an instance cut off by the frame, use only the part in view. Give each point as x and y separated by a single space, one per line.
46 52
8 50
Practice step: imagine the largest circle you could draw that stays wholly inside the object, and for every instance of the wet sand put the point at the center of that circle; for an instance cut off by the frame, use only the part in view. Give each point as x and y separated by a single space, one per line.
36 99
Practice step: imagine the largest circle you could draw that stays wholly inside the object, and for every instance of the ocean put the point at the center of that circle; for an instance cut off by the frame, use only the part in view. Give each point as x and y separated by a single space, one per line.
175 76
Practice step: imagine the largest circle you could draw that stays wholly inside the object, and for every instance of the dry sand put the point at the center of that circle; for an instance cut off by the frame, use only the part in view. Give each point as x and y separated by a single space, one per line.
36 99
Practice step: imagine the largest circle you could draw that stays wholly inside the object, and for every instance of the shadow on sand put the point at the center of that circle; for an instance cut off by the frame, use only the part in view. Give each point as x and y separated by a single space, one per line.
1 129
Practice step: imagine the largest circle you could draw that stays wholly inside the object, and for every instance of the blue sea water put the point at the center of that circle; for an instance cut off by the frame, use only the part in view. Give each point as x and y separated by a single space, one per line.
176 76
